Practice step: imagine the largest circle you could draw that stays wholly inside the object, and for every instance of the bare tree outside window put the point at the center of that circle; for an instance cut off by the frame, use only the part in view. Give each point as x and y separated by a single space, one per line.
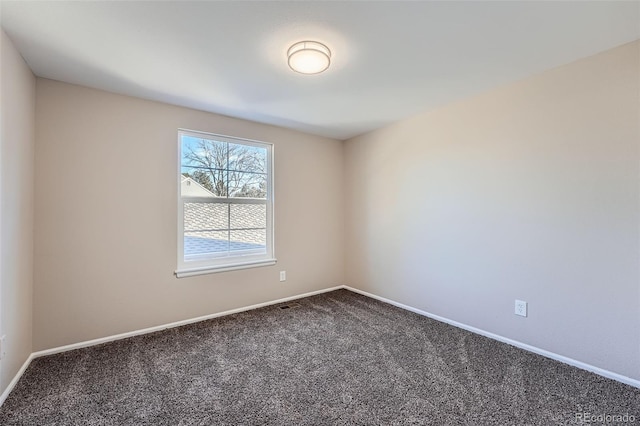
227 169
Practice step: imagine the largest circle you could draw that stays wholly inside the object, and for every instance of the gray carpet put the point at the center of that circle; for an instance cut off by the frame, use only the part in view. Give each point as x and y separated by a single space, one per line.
334 359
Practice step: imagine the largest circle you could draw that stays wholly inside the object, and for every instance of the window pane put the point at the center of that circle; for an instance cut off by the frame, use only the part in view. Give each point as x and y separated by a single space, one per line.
247 171
205 153
248 239
205 162
205 228
203 242
196 182
249 185
248 216
206 217
247 158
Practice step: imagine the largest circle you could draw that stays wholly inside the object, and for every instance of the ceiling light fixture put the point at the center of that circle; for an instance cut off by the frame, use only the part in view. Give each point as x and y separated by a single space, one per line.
309 57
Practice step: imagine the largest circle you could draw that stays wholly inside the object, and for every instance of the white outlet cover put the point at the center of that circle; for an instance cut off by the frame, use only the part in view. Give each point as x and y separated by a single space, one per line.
521 308
283 275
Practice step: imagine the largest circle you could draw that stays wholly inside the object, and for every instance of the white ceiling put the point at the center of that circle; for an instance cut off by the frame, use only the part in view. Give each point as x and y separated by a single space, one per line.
390 59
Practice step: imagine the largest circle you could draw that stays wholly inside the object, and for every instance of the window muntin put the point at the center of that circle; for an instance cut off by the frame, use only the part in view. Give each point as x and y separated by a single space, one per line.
225 203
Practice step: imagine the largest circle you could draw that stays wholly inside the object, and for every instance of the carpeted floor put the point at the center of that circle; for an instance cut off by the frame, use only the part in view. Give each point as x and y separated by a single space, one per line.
334 359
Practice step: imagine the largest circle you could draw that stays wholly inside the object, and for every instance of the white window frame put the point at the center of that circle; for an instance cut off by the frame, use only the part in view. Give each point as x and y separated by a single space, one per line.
213 263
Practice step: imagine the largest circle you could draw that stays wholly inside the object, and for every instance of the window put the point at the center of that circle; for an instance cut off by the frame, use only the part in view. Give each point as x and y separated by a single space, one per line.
225 203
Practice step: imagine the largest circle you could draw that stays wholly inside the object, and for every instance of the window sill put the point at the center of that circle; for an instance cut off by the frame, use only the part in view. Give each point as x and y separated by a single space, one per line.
189 272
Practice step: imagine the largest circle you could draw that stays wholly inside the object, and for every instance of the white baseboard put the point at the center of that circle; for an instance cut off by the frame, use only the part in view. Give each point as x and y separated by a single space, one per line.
114 337
15 380
566 360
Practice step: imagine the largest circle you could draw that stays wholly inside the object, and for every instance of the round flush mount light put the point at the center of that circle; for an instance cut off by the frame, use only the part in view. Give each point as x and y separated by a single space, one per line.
309 57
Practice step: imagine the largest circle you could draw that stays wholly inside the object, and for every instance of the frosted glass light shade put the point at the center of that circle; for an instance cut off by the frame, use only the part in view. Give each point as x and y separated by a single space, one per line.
309 57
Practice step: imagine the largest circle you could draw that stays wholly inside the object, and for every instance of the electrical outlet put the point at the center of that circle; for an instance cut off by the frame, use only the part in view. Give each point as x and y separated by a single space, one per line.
521 308
283 275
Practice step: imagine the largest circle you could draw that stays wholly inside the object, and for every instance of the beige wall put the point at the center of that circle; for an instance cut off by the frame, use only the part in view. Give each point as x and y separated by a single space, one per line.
106 251
17 115
530 191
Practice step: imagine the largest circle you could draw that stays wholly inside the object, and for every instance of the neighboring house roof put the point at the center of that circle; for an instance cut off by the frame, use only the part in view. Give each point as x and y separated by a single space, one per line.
211 227
191 188
214 227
